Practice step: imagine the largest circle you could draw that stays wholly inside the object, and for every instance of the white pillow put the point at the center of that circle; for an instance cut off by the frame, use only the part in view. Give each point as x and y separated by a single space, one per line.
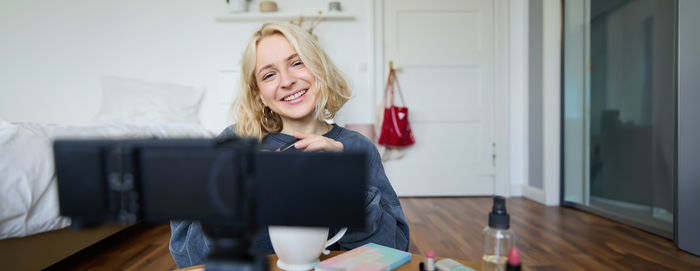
125 99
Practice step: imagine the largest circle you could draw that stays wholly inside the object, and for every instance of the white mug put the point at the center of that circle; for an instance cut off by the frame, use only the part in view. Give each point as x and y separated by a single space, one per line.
298 248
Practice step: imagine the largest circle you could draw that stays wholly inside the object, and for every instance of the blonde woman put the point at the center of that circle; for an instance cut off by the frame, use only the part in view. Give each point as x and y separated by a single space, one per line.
289 88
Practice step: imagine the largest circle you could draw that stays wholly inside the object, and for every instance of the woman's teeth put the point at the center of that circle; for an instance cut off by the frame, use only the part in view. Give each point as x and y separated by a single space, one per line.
294 96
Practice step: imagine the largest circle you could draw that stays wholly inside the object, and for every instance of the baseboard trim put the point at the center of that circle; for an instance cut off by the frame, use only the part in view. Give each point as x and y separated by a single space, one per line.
534 193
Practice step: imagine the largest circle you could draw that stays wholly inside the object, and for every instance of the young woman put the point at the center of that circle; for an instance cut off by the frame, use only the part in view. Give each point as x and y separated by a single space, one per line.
289 89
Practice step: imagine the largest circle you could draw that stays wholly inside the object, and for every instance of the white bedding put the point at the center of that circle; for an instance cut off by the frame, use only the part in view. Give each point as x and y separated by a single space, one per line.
28 192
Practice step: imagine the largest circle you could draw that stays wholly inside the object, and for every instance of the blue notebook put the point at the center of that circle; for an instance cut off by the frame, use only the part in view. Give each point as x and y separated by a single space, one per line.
370 257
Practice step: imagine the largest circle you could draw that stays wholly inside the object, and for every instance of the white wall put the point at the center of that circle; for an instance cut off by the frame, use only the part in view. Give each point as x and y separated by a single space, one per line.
518 96
53 53
551 71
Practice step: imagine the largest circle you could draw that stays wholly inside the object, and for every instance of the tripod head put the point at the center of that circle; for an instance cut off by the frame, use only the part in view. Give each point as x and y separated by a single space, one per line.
230 186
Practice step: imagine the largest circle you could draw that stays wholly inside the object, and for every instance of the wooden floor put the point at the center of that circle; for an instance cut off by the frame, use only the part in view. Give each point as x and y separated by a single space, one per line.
550 238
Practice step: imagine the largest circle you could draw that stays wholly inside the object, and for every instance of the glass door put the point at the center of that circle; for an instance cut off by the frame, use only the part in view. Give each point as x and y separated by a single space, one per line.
619 123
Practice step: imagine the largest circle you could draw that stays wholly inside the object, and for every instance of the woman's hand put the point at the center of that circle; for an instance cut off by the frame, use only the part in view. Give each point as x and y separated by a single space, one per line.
311 142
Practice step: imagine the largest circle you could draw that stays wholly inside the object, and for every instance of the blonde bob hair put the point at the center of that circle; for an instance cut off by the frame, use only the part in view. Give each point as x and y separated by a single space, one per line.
250 115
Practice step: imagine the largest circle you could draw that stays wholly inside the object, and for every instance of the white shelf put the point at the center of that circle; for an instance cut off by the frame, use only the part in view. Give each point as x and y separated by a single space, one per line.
282 16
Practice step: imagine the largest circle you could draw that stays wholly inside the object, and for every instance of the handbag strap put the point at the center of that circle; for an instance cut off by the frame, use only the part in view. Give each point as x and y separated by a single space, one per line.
387 90
398 89
390 89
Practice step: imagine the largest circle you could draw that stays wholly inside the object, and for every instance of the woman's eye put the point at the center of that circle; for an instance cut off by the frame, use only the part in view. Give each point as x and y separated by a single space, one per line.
267 76
297 63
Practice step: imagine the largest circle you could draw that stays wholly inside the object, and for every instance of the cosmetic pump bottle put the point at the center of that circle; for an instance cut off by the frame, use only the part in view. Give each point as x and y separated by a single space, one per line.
498 237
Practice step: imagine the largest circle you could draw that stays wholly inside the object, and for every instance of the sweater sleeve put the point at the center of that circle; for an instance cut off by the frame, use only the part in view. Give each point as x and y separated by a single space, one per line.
188 245
385 223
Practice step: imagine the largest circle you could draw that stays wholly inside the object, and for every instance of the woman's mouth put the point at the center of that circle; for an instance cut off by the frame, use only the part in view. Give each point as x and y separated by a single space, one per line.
295 97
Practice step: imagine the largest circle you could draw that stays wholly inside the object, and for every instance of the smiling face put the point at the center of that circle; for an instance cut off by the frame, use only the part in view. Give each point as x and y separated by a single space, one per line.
286 85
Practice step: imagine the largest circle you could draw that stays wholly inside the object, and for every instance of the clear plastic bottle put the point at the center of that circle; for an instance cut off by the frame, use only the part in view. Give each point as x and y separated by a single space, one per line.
498 238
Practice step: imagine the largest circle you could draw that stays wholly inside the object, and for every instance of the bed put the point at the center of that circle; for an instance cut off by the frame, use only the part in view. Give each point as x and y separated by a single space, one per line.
32 234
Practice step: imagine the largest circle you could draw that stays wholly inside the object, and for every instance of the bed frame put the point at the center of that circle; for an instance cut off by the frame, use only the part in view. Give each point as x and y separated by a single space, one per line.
39 251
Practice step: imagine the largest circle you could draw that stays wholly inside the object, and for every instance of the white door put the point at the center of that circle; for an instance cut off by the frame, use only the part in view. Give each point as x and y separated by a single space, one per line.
446 50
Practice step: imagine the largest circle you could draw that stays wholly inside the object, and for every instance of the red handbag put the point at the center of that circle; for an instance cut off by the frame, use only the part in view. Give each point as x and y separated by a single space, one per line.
396 131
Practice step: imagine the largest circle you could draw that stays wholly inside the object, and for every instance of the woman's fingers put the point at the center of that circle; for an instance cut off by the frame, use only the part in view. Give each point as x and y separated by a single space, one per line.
324 145
311 142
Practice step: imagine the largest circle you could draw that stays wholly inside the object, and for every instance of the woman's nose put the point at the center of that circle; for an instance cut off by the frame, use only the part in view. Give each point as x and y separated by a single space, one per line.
287 79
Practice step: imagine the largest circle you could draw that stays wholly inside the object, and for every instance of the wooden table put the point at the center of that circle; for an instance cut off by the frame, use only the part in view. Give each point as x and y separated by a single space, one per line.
409 266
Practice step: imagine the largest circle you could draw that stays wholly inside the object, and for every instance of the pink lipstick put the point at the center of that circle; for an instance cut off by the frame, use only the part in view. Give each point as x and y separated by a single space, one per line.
513 263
